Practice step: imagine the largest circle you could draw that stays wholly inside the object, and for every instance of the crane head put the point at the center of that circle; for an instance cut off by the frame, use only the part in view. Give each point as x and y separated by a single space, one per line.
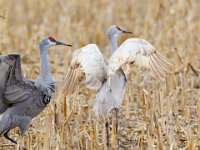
115 30
50 41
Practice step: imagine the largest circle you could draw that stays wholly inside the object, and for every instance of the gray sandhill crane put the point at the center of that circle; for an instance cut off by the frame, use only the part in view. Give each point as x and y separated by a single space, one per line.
88 67
21 100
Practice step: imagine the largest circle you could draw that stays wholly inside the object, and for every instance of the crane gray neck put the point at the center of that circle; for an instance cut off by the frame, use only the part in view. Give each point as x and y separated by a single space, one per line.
113 42
45 71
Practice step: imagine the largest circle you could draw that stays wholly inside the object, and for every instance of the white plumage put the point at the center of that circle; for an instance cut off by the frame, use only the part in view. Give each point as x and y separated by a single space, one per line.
107 100
87 67
141 53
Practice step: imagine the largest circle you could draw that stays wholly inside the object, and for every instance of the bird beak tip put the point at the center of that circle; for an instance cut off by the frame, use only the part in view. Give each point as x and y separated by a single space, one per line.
67 45
61 43
126 32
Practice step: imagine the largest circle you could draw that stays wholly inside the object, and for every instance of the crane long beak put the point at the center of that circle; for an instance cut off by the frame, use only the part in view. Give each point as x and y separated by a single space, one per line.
127 32
61 43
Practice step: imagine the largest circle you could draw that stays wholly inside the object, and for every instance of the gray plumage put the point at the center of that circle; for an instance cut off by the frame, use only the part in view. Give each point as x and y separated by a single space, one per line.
21 100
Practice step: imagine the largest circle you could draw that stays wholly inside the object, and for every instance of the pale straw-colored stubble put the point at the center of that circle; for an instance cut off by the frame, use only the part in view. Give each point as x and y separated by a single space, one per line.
154 115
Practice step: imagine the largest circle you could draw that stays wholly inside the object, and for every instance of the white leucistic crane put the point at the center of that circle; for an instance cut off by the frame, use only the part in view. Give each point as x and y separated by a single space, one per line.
88 67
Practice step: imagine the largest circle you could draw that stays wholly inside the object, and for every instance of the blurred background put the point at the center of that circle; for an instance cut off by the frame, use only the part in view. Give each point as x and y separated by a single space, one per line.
165 118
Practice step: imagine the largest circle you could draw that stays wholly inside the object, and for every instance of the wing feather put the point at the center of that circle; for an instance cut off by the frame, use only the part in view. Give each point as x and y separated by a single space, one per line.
10 73
86 67
16 88
164 65
158 67
143 54
16 93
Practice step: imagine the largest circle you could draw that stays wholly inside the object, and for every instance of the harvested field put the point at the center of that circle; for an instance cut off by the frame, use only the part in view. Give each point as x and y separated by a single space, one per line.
155 114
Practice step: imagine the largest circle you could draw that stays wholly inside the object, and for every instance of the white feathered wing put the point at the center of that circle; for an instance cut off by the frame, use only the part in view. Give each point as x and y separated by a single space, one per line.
144 55
86 67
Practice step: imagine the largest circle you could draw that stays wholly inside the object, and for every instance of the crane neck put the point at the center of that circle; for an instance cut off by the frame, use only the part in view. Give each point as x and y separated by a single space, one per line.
45 71
113 43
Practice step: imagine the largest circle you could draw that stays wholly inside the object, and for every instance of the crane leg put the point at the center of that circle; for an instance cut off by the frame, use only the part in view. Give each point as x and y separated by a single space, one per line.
8 138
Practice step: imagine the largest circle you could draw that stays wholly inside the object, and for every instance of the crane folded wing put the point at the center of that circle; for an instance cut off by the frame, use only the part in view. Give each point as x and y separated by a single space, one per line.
87 67
142 54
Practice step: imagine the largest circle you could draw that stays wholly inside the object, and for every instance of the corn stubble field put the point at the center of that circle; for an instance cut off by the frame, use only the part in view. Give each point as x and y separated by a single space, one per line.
155 114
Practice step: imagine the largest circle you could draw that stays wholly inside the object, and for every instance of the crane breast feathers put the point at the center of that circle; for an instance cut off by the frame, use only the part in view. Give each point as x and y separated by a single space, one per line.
87 67
142 54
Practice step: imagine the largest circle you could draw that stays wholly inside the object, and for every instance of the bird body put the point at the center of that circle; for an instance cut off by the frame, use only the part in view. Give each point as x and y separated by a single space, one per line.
22 99
106 100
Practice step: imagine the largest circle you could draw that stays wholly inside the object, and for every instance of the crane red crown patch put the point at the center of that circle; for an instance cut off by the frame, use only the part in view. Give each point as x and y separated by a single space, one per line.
52 39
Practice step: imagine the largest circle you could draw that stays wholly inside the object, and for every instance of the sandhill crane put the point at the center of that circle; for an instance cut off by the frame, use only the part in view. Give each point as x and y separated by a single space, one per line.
88 67
21 100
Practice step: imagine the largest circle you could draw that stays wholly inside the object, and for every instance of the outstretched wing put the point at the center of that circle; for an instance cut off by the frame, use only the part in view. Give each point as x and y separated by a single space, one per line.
87 66
14 88
10 71
141 53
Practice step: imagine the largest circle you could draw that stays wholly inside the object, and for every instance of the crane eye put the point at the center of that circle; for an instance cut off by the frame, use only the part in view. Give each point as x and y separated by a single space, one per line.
118 28
52 39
